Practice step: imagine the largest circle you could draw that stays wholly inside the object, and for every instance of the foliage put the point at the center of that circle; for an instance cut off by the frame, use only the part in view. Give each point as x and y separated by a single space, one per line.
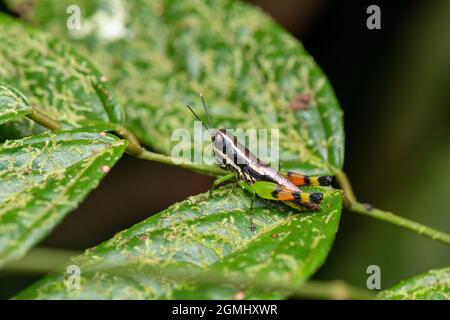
432 285
161 55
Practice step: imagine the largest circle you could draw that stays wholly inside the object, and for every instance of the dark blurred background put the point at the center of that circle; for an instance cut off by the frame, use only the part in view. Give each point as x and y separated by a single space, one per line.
393 85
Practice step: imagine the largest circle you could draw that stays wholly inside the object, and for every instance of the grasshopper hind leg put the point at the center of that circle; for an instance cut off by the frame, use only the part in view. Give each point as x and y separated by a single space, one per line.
303 180
303 207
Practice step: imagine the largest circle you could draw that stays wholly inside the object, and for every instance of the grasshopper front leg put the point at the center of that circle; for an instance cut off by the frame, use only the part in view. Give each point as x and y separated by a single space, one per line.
219 181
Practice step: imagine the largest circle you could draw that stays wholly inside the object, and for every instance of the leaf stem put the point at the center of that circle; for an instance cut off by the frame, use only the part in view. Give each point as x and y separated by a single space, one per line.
40 260
178 162
353 205
389 217
134 147
44 120
336 290
344 182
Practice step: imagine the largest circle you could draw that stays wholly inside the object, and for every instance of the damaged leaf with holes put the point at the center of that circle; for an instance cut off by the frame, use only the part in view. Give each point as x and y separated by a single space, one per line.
253 74
166 255
56 80
44 177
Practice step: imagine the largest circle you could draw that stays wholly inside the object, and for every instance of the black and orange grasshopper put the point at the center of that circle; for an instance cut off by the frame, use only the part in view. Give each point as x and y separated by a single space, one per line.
256 176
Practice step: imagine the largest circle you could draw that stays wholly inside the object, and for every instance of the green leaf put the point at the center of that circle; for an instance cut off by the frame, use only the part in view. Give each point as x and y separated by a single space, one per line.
13 104
163 53
45 176
198 238
55 79
431 285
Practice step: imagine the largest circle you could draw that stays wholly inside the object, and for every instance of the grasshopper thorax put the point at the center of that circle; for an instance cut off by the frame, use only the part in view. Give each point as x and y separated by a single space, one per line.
230 154
225 149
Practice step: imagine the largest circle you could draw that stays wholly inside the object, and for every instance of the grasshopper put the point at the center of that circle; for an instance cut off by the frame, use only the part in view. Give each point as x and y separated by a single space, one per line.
256 176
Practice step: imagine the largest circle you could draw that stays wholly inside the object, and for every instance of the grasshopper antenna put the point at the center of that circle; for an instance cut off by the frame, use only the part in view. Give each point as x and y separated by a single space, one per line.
195 115
198 118
206 110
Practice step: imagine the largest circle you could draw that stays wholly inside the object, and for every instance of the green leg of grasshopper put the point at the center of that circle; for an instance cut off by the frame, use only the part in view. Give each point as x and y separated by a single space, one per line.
284 205
265 189
244 185
272 191
219 181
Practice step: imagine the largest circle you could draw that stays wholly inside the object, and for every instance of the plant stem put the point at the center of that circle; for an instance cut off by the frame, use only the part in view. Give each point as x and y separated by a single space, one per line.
177 162
349 196
134 147
400 221
353 205
40 260
43 119
336 290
